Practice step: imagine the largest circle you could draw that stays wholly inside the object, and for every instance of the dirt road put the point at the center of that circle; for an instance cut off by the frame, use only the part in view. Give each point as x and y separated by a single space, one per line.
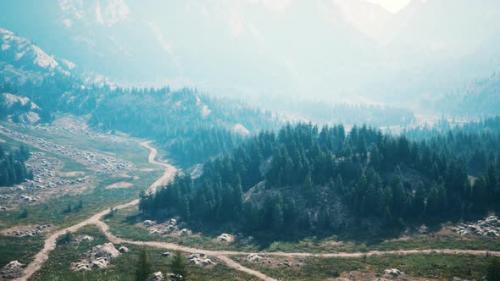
170 170
223 256
50 242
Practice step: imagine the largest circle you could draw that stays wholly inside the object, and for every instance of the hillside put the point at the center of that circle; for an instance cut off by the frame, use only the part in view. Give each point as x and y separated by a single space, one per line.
478 99
307 180
190 125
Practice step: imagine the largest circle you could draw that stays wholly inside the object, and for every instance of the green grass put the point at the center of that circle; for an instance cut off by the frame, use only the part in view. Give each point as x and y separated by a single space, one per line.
123 267
99 198
128 150
413 242
96 197
19 248
122 224
425 266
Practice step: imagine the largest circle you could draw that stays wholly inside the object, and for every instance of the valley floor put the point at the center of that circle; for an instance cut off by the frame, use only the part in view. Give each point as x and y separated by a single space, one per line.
427 258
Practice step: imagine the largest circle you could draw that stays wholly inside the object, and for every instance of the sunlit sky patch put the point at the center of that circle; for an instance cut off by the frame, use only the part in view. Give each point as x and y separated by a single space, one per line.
391 5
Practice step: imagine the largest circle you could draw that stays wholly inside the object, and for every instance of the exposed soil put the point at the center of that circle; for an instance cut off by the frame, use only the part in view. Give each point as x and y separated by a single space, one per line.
121 184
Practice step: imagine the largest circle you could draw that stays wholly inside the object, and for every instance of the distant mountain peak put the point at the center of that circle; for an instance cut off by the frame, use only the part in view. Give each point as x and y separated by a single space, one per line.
22 60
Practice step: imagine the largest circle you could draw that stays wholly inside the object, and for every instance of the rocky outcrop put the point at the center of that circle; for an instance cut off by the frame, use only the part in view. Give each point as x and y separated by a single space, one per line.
489 227
254 258
170 228
83 238
123 249
200 260
12 270
19 109
27 230
392 274
98 258
226 238
157 276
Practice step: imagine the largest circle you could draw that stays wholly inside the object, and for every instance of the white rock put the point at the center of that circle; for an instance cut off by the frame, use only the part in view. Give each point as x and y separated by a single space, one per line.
123 249
225 237
254 258
100 263
157 276
107 250
12 270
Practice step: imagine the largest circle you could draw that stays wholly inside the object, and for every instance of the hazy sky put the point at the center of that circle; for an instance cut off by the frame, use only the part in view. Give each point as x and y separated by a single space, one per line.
391 5
333 50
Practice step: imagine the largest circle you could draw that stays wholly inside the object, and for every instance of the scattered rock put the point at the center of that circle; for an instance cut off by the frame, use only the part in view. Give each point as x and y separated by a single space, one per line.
27 230
166 254
185 232
98 258
393 274
423 229
200 260
168 228
12 270
489 227
80 267
123 249
100 263
106 250
254 258
172 276
157 276
83 238
226 238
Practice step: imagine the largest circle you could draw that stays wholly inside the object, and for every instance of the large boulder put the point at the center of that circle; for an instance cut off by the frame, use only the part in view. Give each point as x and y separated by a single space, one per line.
254 258
100 263
393 274
185 232
225 238
157 276
98 258
12 270
123 249
107 250
200 259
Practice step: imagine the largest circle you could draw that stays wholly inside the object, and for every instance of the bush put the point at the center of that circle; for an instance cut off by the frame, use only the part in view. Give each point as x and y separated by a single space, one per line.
494 270
65 238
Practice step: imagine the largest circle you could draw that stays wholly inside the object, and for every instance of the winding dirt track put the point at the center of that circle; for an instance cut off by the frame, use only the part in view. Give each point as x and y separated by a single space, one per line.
224 256
168 174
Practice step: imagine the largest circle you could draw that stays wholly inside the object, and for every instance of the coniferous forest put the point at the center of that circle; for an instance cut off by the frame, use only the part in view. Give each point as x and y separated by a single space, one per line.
189 125
12 167
309 180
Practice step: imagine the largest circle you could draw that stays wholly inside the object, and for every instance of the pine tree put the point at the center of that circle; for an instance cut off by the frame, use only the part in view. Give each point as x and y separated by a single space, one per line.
178 267
493 273
144 267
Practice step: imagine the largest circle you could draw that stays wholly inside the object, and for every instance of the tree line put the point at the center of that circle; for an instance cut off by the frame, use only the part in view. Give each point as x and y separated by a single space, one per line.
306 179
190 125
12 165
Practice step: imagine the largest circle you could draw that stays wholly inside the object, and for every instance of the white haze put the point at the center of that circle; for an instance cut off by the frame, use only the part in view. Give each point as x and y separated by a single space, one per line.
397 52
